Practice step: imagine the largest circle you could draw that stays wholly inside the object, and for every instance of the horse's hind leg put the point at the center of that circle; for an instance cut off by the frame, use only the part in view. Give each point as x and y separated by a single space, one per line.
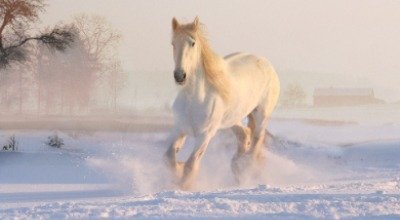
259 135
243 135
176 143
262 115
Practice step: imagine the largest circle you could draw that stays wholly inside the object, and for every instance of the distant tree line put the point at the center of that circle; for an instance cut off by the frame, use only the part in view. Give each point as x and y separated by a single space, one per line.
293 96
64 70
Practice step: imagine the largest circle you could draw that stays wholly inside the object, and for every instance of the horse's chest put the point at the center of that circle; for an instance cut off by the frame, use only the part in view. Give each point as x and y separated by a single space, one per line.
196 117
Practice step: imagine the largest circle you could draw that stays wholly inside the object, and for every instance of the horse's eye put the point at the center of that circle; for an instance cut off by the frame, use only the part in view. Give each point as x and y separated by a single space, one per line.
192 43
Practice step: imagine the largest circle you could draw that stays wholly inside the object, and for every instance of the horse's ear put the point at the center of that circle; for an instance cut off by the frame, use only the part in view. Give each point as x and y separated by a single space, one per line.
196 22
175 24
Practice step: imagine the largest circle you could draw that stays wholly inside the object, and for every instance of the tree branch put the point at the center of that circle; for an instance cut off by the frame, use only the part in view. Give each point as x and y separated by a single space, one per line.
58 39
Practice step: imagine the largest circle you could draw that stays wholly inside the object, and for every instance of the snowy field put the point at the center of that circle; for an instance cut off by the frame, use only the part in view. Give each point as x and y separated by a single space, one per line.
314 170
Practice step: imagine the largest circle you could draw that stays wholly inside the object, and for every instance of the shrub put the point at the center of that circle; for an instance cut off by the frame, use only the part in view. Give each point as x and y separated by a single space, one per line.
12 144
55 141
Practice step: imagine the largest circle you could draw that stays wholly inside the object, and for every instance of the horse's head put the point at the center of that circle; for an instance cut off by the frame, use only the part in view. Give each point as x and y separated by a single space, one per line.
186 49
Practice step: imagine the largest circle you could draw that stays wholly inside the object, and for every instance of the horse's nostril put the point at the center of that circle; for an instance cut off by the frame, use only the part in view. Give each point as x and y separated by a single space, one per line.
179 76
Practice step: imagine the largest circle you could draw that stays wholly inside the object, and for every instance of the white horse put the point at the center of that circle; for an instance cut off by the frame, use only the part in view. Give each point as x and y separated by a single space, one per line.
218 93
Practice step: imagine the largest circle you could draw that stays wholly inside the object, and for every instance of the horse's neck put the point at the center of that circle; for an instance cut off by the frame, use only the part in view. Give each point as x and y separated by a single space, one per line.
199 88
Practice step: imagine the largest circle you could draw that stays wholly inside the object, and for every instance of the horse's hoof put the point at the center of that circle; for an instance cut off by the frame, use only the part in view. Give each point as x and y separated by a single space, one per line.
179 167
168 160
185 184
185 187
247 166
239 165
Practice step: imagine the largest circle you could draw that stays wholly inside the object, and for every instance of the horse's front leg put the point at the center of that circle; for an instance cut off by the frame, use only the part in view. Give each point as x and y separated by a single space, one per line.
177 140
191 167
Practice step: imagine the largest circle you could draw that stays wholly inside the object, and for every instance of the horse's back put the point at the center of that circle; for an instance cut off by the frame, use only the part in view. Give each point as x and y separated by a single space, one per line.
245 62
255 79
244 65
240 58
233 55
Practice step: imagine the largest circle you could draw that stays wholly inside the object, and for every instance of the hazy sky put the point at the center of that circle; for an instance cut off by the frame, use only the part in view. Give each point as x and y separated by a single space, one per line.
348 43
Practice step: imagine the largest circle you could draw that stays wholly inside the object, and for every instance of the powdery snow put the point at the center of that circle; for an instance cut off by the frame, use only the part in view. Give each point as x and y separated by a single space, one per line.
261 202
351 171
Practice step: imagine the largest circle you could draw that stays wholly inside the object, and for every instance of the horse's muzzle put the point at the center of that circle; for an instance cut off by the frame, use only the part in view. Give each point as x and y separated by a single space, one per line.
180 77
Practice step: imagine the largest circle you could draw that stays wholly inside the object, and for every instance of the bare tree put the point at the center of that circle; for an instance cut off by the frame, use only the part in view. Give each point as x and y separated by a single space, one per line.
65 81
101 41
16 16
99 37
116 79
293 96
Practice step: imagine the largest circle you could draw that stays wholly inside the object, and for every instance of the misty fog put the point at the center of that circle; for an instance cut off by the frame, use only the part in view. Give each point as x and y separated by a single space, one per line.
312 45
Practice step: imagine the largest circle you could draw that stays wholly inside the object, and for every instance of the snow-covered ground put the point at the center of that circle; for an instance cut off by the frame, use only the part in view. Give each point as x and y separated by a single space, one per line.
313 170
